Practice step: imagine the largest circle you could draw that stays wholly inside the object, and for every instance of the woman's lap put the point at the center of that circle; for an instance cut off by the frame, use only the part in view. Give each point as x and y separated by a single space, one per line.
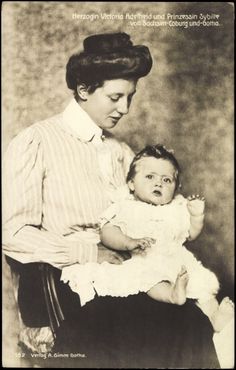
132 332
138 332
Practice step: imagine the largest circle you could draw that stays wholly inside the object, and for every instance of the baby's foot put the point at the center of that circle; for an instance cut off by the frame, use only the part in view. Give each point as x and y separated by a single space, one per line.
179 288
223 315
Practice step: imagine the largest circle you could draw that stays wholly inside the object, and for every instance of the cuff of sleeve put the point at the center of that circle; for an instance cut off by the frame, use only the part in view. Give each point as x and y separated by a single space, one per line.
197 219
199 215
73 254
82 254
93 253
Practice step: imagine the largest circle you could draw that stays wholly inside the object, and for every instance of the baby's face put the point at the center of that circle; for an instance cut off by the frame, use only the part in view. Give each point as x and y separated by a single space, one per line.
154 181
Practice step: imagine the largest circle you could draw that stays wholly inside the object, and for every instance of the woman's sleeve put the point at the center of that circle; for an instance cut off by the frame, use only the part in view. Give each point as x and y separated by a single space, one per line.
23 236
128 156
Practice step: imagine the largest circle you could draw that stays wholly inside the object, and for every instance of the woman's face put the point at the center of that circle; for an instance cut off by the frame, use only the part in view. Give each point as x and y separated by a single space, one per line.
108 103
154 181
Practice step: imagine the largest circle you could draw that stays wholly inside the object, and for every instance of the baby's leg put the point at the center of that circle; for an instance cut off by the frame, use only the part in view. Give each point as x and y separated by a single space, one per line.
169 292
219 314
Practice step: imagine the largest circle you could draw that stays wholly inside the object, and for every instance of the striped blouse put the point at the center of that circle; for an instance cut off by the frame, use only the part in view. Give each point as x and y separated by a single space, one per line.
58 177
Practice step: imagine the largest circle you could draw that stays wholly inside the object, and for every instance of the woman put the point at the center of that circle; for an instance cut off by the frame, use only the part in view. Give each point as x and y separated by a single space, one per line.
61 174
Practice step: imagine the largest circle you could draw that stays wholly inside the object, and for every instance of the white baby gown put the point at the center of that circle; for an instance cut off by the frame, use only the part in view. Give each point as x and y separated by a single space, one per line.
169 225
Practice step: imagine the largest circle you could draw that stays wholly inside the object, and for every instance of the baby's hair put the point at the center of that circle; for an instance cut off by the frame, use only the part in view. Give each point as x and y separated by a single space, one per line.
157 151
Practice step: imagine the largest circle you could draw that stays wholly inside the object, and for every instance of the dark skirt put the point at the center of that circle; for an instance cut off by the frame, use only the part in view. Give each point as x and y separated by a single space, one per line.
135 332
132 332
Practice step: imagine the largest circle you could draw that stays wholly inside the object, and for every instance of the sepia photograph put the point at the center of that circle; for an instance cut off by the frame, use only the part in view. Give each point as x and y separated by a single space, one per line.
118 185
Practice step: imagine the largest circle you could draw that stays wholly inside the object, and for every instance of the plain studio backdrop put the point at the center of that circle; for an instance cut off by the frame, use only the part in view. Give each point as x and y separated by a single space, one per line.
186 102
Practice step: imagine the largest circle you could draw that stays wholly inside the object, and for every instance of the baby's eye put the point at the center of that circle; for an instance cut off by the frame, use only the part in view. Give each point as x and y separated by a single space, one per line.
149 177
167 180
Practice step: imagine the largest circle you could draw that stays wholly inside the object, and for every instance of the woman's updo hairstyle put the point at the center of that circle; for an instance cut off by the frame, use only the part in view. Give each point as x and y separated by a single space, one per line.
106 57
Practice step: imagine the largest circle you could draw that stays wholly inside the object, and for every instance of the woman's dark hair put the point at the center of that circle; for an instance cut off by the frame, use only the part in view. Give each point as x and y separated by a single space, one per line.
157 151
106 57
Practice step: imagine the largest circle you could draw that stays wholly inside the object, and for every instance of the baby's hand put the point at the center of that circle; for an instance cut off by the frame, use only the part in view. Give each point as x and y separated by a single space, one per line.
139 246
196 205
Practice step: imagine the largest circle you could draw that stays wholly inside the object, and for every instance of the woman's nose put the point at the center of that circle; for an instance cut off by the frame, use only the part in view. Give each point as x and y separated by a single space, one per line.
123 106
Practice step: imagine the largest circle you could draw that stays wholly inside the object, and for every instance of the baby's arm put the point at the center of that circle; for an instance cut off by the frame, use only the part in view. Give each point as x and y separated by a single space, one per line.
112 237
196 206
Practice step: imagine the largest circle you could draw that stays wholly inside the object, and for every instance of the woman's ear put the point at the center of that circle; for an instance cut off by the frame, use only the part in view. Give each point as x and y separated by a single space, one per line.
131 185
82 91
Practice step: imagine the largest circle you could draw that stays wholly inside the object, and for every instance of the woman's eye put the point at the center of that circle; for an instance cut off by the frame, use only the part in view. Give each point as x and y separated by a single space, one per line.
149 177
114 99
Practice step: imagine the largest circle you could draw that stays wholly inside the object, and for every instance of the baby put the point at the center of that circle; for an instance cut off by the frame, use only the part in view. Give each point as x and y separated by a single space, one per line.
152 222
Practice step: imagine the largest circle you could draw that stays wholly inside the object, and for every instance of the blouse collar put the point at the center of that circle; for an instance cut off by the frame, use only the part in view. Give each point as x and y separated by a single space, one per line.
79 123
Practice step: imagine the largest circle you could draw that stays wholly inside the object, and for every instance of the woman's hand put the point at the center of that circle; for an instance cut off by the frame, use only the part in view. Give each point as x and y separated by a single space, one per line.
108 255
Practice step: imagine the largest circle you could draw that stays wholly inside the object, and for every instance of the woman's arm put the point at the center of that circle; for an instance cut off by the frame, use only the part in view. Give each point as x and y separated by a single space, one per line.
23 236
